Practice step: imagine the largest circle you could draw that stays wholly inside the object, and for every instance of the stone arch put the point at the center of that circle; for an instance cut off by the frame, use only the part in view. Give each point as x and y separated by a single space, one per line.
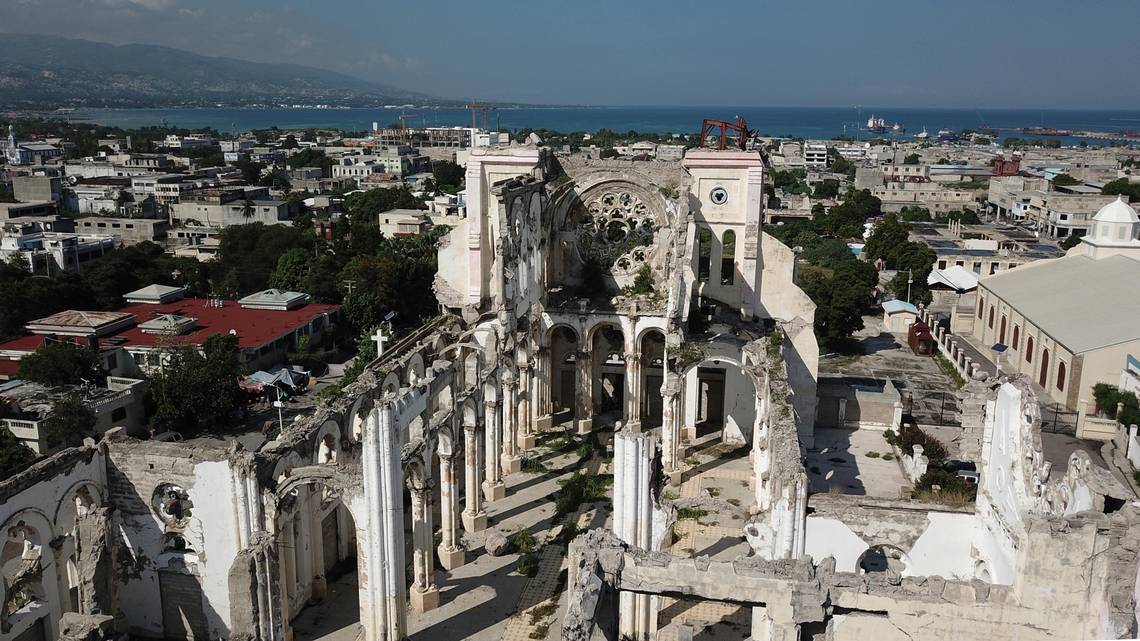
414 369
563 349
391 384
327 443
303 549
883 557
27 569
358 418
607 358
607 229
651 352
82 495
721 393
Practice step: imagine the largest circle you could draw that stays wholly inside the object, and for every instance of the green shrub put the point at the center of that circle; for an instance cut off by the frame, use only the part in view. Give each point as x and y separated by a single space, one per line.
952 490
911 435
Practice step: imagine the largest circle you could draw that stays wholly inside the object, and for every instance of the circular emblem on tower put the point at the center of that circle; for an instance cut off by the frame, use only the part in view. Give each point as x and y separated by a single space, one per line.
718 196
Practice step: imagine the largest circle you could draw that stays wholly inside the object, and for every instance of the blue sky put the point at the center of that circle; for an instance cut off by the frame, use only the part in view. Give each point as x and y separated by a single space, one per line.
968 53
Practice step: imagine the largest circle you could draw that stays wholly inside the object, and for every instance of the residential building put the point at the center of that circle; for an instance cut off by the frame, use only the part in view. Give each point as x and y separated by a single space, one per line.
134 339
174 141
48 252
1070 322
25 408
815 156
9 211
223 207
37 188
127 231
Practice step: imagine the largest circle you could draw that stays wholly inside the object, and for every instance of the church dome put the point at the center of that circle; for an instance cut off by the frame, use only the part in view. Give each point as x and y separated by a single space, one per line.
1117 211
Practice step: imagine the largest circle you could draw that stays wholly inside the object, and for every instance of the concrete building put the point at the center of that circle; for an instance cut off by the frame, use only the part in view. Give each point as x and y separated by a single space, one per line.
220 208
9 211
25 407
815 156
48 253
1070 322
41 188
127 231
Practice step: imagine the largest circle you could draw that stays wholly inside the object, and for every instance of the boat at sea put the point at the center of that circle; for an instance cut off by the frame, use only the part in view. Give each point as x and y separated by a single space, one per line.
922 135
898 129
1046 131
876 125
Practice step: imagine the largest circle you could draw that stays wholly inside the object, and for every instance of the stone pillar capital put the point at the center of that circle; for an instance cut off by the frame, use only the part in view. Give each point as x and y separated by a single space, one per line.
490 404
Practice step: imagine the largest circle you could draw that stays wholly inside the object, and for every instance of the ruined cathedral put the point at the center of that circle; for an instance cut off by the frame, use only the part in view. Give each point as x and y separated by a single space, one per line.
631 301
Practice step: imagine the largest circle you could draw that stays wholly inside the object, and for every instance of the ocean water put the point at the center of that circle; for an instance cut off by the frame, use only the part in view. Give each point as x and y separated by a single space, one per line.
805 122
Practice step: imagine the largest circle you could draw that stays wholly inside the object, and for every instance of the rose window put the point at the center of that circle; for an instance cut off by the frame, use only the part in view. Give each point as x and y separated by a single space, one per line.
615 231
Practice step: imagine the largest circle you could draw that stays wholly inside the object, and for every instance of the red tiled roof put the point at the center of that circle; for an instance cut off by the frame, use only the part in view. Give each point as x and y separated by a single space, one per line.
254 327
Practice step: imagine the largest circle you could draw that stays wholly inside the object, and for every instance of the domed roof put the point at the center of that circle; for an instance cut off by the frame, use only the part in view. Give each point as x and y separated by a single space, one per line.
1117 211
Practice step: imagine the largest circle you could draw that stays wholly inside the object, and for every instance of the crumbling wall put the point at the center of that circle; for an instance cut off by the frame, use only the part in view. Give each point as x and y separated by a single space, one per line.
175 515
36 510
935 540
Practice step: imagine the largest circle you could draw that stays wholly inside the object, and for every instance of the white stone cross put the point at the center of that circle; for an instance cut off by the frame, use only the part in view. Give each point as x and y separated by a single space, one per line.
380 337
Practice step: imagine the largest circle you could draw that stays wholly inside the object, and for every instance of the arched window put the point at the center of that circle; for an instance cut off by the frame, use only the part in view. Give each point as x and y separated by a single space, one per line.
1060 376
728 258
1016 335
981 306
1043 379
991 321
704 254
1001 333
1029 350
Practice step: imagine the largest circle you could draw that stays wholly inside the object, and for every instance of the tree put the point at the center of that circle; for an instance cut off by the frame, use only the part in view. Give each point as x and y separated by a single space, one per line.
248 209
1071 241
608 152
1064 180
886 239
311 157
914 213
292 270
846 219
447 174
68 421
365 206
827 188
1122 186
250 171
841 298
196 390
841 165
55 364
14 455
912 159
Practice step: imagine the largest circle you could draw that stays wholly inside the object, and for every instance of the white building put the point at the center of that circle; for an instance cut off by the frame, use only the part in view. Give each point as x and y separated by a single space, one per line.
815 156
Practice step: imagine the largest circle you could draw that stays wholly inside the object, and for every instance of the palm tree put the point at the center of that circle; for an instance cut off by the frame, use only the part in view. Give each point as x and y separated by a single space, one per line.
248 209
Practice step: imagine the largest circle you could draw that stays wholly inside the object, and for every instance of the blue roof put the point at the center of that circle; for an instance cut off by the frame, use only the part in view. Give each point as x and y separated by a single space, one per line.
892 306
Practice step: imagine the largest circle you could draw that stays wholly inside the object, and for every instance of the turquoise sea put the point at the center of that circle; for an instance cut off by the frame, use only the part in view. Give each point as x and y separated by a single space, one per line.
806 122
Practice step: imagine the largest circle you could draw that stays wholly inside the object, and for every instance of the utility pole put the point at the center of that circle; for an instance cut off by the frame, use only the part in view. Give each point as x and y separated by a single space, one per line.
909 280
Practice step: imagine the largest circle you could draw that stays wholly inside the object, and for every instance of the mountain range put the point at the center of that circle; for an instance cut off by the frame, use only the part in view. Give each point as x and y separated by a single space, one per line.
48 72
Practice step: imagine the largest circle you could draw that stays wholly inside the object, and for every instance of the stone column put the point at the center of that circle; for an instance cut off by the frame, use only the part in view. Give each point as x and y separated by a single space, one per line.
584 392
526 394
671 454
383 595
451 555
543 406
493 487
633 391
634 456
425 594
474 517
508 413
